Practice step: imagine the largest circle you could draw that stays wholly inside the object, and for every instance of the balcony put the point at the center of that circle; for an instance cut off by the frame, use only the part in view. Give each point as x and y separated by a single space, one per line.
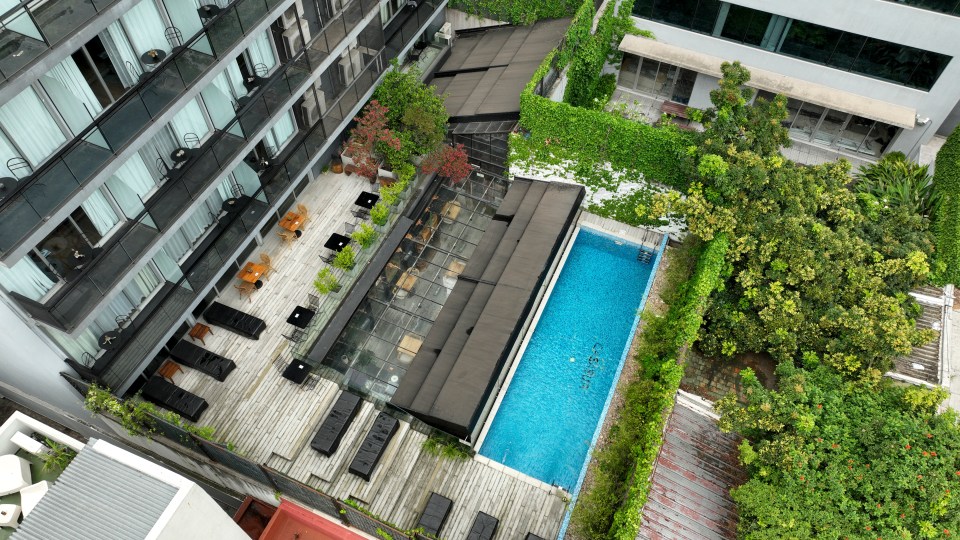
41 194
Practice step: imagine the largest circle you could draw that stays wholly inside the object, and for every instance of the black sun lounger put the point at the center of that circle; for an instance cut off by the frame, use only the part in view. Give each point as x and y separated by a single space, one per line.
234 320
435 514
170 396
327 439
202 360
484 527
373 446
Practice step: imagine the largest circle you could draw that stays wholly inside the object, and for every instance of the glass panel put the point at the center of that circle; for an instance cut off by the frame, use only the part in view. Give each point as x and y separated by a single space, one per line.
855 133
684 86
745 25
806 121
830 127
810 41
848 48
647 78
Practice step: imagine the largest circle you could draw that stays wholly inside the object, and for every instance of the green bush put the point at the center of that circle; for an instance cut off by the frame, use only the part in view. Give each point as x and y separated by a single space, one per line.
622 468
326 282
592 51
946 218
345 259
379 214
520 12
365 235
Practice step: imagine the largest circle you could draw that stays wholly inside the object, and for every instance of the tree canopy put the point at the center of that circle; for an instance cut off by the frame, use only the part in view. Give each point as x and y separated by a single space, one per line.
414 108
811 273
833 458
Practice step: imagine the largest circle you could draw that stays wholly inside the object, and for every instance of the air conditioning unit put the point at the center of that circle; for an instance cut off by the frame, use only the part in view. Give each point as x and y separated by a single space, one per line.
289 17
351 63
445 35
293 38
312 110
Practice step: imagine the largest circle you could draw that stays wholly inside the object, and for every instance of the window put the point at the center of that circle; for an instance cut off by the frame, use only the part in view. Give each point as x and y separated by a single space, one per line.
745 25
658 79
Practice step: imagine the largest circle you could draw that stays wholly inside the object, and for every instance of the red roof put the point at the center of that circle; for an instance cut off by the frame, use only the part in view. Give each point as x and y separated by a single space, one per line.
292 521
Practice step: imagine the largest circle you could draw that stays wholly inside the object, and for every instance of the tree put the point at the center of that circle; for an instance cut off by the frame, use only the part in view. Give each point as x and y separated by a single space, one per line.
371 138
413 107
808 275
832 458
450 162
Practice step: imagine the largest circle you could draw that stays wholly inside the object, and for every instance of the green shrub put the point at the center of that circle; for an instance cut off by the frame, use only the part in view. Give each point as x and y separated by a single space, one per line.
946 218
591 51
365 235
345 259
519 12
326 282
379 214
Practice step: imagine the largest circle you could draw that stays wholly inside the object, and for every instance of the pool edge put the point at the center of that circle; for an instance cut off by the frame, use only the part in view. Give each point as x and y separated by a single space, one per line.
613 388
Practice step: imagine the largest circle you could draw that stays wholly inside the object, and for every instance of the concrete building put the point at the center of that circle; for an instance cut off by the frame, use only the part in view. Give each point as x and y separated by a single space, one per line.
863 77
147 147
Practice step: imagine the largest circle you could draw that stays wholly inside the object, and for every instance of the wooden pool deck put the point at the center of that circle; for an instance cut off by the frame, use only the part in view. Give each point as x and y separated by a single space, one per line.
271 420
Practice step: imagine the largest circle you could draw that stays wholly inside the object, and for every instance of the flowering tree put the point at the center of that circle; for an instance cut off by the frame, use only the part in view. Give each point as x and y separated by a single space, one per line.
449 161
370 135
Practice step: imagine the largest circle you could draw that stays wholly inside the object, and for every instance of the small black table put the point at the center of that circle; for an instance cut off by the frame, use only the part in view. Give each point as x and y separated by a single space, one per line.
109 340
182 155
297 371
253 81
230 205
153 57
301 316
336 242
208 11
7 186
367 200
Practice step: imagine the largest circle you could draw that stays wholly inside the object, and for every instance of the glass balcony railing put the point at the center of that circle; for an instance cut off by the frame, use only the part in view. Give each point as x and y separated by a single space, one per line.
59 178
146 333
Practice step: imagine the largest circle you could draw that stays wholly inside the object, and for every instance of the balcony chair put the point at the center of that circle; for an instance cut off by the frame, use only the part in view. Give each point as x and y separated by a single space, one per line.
313 301
304 214
287 236
19 167
191 140
246 289
268 262
174 37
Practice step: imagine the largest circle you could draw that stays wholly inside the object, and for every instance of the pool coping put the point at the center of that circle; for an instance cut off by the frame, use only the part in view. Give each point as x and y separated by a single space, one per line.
526 340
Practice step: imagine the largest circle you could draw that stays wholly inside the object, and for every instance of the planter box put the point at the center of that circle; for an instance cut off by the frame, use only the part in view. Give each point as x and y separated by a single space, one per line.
384 173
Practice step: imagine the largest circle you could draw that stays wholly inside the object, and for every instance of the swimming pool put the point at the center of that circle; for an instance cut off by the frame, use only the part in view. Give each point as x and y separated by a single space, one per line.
547 420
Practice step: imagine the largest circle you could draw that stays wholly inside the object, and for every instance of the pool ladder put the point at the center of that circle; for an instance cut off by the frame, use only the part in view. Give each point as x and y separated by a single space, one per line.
644 256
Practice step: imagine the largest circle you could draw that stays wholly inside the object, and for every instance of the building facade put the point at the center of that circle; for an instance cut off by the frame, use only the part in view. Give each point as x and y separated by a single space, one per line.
147 146
863 77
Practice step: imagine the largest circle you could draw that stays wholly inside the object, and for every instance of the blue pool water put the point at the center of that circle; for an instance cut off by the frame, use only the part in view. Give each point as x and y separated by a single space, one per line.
547 419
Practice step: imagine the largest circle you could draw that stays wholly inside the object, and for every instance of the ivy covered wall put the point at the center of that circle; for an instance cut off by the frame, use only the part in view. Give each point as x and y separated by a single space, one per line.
946 220
519 12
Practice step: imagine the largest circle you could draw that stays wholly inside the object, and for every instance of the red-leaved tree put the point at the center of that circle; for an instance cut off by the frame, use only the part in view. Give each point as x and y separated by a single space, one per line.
370 130
449 161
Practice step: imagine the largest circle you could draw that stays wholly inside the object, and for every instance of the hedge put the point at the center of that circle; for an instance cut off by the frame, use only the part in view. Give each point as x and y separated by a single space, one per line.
521 12
592 54
599 136
622 468
946 219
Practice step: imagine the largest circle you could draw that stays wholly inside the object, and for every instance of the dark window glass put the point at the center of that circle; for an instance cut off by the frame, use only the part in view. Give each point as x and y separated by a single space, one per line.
929 68
745 25
847 50
886 60
943 6
706 16
643 8
811 41
697 15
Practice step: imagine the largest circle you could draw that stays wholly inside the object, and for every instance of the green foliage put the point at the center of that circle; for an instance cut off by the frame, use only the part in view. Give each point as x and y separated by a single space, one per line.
895 184
59 456
440 444
560 132
365 235
379 214
810 273
405 175
345 259
621 468
832 458
519 12
134 415
578 33
326 282
414 109
584 83
946 223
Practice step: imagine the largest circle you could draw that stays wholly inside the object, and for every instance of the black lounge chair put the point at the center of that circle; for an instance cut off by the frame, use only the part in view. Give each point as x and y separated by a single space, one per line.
435 514
327 439
373 445
234 320
531 536
202 360
170 396
484 527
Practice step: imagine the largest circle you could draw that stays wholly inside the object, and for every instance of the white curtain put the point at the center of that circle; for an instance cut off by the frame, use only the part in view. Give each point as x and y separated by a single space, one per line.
100 212
234 80
71 94
197 224
143 285
8 152
130 185
125 61
224 191
145 28
177 246
85 342
37 134
261 52
25 278
190 120
185 17
219 104
247 178
168 266
281 132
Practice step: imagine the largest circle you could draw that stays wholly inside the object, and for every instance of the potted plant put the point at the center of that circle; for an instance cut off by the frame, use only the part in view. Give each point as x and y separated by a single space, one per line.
345 259
379 214
326 282
365 235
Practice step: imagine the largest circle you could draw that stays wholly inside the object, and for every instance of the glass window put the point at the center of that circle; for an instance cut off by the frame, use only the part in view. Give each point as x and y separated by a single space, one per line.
848 48
806 121
811 41
856 132
628 71
745 25
684 86
951 7
31 126
647 78
830 128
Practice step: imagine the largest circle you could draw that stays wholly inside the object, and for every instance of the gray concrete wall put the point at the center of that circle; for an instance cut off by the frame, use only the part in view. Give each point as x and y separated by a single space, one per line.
883 20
